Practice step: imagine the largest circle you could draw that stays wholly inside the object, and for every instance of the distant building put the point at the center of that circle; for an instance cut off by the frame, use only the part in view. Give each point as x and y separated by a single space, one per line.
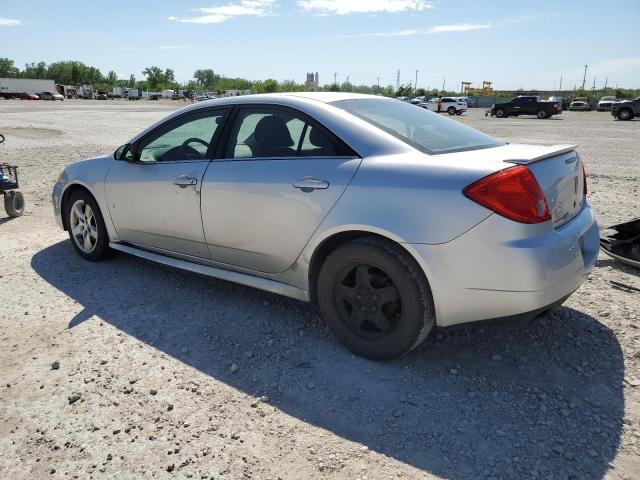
313 82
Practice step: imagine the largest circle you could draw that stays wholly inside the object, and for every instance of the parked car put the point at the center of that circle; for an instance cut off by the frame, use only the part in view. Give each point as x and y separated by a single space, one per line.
451 105
525 105
102 96
606 102
53 96
394 219
626 109
28 96
580 104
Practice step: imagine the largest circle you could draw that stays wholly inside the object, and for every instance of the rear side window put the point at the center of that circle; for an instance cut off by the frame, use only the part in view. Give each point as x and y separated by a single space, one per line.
265 132
418 127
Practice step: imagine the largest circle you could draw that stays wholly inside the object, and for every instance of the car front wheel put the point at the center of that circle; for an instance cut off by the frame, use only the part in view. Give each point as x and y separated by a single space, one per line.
86 226
500 113
451 110
374 299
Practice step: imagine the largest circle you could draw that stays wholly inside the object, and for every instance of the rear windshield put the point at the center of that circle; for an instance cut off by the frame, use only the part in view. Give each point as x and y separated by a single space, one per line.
418 127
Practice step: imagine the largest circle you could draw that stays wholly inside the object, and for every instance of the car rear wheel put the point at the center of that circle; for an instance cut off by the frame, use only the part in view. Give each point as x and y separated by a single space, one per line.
625 114
86 226
541 114
500 113
374 299
451 110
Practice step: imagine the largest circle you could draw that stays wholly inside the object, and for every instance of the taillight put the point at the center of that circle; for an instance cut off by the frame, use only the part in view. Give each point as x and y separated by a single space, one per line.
584 180
513 193
556 106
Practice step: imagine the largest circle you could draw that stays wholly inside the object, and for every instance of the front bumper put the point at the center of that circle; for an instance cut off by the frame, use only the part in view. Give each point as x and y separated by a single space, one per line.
501 268
56 199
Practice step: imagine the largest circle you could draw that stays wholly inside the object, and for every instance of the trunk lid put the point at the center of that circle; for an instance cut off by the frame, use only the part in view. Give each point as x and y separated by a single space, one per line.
558 170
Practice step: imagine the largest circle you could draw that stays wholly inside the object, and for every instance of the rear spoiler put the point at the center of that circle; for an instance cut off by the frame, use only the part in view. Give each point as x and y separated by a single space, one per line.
541 153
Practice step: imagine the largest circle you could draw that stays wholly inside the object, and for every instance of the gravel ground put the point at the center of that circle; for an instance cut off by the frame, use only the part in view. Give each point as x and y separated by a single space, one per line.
126 369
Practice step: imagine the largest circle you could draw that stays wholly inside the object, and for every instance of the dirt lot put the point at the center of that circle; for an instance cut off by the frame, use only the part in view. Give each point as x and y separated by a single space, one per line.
180 376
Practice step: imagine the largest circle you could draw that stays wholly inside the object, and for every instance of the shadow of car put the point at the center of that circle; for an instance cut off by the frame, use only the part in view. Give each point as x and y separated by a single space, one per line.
545 401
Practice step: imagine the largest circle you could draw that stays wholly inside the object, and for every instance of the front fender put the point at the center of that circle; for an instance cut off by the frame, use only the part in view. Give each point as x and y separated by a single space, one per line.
89 175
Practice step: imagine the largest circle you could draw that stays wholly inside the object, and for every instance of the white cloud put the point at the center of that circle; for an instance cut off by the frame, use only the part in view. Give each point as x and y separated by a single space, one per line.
460 27
345 7
257 8
172 47
10 22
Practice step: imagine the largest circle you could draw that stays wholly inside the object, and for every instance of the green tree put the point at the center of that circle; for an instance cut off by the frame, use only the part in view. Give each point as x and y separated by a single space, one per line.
32 70
169 76
7 69
112 78
155 77
132 81
205 77
268 86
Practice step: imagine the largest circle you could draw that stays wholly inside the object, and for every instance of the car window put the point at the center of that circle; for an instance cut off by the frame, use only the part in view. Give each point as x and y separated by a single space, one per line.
264 132
418 127
188 139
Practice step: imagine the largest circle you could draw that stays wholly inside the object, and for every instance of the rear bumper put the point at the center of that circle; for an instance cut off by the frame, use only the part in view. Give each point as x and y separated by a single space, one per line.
502 268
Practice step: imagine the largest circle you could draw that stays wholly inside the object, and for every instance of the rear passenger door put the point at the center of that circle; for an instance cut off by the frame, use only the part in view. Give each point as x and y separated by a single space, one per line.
264 196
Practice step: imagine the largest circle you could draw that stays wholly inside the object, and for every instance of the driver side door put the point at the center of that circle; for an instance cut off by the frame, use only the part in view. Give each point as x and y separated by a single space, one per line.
154 197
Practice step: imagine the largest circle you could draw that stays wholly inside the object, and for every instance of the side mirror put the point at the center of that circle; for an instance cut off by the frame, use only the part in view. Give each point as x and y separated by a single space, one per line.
124 153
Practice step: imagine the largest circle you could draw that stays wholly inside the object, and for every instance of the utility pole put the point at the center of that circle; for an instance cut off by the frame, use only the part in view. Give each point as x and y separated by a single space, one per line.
444 79
594 84
335 78
606 80
415 85
560 88
584 79
397 80
378 84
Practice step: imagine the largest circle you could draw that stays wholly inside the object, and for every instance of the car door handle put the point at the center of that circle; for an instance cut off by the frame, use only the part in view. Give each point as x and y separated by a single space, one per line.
184 181
310 183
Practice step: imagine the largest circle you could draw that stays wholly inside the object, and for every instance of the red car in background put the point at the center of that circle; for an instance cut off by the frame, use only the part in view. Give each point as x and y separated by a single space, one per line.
28 96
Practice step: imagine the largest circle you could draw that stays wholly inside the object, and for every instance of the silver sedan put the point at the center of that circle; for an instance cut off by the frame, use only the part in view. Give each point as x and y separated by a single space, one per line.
394 219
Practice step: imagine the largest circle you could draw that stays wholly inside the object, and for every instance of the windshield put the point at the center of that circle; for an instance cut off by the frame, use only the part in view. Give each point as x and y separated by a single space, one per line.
418 127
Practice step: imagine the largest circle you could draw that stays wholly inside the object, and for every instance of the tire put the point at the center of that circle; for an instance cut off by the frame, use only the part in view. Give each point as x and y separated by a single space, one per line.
500 113
625 114
14 203
541 114
91 230
374 299
451 110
